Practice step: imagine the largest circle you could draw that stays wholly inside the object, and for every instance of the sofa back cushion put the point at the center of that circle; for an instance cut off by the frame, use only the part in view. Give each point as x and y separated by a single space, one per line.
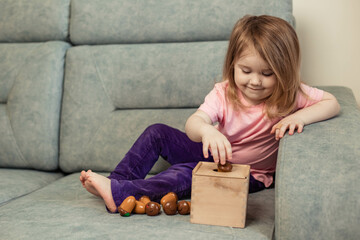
31 78
34 20
112 93
144 21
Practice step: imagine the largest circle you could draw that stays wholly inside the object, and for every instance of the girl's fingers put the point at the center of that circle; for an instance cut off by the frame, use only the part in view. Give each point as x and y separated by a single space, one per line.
273 129
277 132
292 129
219 152
222 154
300 128
283 130
280 129
228 150
214 152
225 152
206 149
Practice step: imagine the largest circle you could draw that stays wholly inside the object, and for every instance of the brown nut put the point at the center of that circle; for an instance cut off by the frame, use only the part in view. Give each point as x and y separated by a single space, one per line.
184 207
127 206
145 199
227 167
139 207
170 197
170 208
152 208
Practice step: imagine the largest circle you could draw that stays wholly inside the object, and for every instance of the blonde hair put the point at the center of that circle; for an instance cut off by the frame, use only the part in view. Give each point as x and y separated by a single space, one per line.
277 43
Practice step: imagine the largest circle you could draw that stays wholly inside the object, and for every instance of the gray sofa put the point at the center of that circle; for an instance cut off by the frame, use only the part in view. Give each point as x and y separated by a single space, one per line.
81 79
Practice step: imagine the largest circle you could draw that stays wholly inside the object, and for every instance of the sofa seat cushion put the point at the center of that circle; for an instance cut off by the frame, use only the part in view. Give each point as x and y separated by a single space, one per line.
15 183
64 209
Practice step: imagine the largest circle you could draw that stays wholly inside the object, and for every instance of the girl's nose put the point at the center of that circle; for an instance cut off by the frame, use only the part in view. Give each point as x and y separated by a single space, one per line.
255 80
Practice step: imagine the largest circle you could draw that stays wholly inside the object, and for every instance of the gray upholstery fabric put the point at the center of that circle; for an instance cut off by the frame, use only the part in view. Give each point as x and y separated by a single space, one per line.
31 79
15 183
107 22
317 190
176 75
34 20
64 210
112 93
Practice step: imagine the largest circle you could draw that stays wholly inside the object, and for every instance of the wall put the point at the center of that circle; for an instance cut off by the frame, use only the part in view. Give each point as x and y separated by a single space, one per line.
329 34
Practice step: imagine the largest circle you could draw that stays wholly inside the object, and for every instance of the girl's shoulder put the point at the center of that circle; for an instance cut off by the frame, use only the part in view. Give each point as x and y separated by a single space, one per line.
308 95
221 86
310 91
220 90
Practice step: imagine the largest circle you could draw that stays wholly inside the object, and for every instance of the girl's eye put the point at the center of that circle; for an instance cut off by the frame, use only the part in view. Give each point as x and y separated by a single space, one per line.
245 71
267 74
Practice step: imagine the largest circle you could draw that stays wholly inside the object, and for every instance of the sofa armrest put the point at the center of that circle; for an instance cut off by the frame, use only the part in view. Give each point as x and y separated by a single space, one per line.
317 191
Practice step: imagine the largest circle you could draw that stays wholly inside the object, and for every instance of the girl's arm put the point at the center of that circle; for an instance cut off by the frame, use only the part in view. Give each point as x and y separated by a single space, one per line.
328 107
199 128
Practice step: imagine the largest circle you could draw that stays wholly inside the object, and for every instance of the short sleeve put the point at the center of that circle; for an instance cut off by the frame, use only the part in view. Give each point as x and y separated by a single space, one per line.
312 95
214 103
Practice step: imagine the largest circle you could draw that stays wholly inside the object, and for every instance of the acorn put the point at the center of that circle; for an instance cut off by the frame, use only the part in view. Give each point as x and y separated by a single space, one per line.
152 208
170 208
145 199
184 207
139 207
127 206
227 167
169 203
171 196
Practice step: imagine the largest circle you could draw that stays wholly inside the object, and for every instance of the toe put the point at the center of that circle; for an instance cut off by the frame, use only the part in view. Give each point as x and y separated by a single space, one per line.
83 174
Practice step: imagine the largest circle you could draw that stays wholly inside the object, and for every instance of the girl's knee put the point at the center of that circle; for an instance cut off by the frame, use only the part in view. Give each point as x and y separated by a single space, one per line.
156 130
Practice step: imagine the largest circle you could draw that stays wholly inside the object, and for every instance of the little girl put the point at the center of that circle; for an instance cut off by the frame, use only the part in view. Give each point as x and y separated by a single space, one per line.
243 117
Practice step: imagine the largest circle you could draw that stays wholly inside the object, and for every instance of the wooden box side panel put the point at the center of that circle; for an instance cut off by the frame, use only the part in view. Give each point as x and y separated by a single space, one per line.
219 201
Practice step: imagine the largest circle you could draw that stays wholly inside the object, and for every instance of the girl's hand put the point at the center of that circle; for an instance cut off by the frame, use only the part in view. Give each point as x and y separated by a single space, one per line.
199 128
326 108
217 143
291 122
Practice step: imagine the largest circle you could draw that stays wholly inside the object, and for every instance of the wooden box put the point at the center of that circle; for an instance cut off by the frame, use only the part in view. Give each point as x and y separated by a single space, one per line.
219 198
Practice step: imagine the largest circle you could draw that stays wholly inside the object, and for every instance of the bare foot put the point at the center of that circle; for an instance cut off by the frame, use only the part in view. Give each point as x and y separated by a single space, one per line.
98 184
83 178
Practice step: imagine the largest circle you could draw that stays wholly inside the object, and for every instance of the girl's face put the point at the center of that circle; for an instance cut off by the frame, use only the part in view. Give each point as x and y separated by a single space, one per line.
254 77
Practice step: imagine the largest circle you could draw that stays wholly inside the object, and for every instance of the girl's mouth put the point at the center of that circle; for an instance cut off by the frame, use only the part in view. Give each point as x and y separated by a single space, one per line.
255 89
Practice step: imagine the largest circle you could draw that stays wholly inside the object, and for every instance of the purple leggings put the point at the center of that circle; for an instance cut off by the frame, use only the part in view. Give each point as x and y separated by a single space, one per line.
174 146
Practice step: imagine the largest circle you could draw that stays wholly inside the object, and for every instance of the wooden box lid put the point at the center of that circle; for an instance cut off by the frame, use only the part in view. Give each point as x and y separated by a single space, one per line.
209 169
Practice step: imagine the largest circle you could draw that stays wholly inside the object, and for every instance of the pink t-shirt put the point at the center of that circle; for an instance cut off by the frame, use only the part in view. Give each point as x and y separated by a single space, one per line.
248 130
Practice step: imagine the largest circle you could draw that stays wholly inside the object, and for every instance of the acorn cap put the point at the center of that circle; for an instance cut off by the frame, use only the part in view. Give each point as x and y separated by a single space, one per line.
123 212
127 206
